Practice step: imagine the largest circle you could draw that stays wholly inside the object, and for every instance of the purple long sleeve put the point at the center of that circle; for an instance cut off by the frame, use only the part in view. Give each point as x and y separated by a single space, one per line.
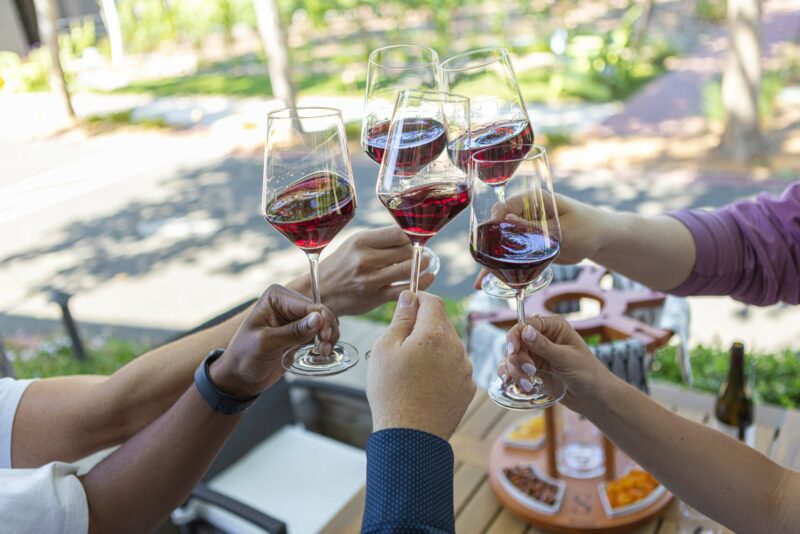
749 250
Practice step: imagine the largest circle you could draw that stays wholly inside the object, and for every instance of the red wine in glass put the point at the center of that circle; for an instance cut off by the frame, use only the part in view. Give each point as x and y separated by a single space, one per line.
422 211
502 141
515 252
421 142
311 211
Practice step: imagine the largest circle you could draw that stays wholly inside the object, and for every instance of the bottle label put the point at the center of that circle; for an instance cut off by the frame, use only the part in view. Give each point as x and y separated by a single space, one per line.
732 431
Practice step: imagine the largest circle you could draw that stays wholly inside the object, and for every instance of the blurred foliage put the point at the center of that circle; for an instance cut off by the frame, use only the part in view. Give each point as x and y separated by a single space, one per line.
771 84
775 378
55 358
80 37
712 10
147 24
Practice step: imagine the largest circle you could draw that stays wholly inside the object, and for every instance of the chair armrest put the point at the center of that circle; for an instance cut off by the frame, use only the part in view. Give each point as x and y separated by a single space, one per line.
329 387
205 494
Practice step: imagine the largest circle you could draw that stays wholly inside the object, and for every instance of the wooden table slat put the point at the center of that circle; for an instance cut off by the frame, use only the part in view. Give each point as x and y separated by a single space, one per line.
507 523
481 421
465 484
479 512
787 447
479 399
348 519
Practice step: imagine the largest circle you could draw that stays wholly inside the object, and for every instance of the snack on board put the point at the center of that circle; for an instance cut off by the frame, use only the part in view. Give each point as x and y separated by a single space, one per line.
528 433
525 480
632 487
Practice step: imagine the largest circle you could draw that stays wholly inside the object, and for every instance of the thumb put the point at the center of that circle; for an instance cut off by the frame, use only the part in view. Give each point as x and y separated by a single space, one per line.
299 331
536 343
405 316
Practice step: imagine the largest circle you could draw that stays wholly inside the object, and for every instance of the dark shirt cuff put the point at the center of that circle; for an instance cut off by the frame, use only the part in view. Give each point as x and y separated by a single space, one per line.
409 483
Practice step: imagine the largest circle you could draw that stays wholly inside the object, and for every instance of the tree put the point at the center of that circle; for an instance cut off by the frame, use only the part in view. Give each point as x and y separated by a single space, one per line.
741 81
48 33
111 21
276 49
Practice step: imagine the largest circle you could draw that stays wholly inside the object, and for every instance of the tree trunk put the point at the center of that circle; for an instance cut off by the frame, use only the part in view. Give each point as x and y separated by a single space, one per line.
48 33
741 81
277 51
111 21
642 25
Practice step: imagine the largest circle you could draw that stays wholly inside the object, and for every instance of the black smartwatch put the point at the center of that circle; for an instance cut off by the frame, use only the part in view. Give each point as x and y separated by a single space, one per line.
218 400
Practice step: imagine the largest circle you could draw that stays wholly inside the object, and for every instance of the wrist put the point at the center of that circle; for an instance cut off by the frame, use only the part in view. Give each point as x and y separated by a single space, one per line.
229 380
408 424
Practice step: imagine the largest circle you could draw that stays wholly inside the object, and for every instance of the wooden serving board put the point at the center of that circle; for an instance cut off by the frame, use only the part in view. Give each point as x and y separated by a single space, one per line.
581 509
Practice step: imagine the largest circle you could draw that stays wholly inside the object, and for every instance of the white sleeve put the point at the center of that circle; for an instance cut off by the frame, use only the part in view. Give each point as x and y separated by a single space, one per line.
10 393
47 499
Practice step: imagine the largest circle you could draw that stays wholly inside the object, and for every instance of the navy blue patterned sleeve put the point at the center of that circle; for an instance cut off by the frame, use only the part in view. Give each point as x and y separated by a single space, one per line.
409 483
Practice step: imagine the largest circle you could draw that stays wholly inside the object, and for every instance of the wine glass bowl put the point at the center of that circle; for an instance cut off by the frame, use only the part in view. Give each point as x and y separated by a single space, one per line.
418 183
389 70
308 196
501 129
515 236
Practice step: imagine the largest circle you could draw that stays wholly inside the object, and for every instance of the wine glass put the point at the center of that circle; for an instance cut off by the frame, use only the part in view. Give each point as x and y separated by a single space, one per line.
417 182
309 196
515 237
389 70
499 121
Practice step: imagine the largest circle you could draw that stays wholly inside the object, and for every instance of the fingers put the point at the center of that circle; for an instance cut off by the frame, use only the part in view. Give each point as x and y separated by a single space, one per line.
549 339
387 237
399 271
390 293
297 332
405 317
431 314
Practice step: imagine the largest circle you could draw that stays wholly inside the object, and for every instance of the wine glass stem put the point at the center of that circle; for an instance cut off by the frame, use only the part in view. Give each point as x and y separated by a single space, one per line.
313 260
518 293
416 259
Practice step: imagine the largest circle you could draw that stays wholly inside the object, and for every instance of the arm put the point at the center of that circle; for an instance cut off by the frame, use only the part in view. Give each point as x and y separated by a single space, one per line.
416 402
721 477
83 414
749 250
139 484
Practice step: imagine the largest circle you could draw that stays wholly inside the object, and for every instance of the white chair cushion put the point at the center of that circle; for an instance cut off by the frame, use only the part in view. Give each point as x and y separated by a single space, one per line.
296 476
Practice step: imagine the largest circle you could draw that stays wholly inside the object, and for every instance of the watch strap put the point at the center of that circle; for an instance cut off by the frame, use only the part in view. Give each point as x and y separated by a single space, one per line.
218 400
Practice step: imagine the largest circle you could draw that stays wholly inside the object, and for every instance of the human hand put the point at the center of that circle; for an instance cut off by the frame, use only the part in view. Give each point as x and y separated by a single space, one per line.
357 277
551 344
281 320
584 230
418 375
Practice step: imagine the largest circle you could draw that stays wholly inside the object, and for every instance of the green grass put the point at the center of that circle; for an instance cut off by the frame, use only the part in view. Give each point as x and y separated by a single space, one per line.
58 360
121 118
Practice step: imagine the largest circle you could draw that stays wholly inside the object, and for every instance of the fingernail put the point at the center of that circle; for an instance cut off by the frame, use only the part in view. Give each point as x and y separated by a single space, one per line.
406 298
529 333
511 349
313 320
526 385
529 369
505 378
328 332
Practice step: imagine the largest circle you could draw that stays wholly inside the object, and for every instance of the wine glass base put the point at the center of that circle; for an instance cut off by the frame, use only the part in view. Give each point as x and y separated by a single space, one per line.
493 287
547 391
582 460
305 361
434 263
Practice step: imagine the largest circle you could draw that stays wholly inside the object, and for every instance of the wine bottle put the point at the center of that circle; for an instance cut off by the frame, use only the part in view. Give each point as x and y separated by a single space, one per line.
734 406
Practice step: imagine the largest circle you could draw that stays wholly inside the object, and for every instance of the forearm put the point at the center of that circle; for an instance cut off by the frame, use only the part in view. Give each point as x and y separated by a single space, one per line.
658 252
721 477
84 414
135 488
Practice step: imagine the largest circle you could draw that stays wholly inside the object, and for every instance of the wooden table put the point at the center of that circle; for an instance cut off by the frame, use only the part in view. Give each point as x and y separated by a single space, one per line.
477 509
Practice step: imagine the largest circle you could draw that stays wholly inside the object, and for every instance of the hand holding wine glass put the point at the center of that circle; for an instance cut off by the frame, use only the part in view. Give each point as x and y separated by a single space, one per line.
418 183
309 196
515 237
